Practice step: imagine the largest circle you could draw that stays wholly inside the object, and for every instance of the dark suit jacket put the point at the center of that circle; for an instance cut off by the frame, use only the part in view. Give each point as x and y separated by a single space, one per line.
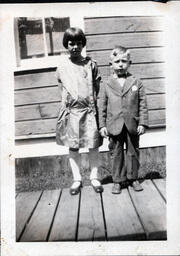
119 106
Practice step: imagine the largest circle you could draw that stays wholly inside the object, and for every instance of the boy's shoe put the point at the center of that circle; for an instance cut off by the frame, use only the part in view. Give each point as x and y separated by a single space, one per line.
75 188
116 189
137 186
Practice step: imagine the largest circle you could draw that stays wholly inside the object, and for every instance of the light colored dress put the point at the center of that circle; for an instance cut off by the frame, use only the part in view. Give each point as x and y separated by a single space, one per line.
77 124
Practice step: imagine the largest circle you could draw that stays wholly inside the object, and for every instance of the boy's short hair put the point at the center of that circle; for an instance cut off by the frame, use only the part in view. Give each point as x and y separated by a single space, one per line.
73 34
120 50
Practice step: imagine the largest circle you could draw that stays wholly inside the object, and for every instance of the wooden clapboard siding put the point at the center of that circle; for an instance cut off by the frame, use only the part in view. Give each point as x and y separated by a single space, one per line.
130 40
24 97
36 127
44 126
50 110
153 86
37 111
150 70
98 25
139 55
156 101
144 37
29 79
37 98
157 118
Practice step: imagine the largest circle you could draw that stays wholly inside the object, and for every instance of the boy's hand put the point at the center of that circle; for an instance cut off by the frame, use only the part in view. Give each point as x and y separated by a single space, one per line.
103 131
141 130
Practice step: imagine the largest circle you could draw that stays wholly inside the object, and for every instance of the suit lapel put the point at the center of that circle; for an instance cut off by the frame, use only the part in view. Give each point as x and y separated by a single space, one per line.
114 84
128 84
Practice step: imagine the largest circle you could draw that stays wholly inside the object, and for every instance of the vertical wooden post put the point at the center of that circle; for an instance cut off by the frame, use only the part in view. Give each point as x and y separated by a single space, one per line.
44 37
17 46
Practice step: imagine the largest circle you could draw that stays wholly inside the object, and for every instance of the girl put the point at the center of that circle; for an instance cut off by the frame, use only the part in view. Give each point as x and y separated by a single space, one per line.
77 125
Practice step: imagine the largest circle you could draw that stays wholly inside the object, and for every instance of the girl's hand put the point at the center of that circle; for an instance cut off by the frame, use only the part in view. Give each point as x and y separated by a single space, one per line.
104 132
141 130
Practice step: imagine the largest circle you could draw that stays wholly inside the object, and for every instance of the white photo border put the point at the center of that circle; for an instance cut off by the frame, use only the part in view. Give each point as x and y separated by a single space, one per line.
171 12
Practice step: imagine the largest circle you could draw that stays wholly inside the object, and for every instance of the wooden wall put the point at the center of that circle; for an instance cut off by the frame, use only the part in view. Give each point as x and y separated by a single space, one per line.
37 97
144 37
37 100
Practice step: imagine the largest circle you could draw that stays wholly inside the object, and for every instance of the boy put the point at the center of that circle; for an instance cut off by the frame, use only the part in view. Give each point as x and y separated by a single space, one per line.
123 116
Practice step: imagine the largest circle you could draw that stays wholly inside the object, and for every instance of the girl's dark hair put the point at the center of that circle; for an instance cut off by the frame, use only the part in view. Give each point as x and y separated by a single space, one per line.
73 34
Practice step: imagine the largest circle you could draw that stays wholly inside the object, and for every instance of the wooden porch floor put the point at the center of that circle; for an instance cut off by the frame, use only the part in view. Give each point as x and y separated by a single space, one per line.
55 215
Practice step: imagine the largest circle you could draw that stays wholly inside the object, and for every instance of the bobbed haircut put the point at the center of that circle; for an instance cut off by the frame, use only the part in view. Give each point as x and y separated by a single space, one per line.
120 50
73 34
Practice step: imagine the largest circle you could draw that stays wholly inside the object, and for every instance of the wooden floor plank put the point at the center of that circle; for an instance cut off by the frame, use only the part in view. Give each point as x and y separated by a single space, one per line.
161 186
121 219
25 203
39 224
91 223
151 209
65 222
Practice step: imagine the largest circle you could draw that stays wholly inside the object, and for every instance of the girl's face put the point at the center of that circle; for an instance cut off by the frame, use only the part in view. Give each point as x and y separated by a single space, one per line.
75 48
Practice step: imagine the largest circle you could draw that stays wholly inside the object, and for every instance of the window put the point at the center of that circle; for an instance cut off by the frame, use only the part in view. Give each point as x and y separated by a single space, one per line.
40 37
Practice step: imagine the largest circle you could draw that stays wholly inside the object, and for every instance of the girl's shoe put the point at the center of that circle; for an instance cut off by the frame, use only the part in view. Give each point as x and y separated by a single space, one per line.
75 188
96 184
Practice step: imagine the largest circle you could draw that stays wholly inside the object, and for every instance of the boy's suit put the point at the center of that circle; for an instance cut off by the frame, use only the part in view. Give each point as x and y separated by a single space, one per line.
121 110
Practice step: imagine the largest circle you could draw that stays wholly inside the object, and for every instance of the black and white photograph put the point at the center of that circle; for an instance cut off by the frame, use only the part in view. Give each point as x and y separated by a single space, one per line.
89 132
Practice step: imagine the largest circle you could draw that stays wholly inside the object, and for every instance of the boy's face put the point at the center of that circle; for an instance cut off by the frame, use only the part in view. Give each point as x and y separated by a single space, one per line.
120 64
75 48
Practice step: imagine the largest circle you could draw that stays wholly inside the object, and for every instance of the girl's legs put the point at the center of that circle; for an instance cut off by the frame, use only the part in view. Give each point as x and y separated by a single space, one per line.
94 163
74 160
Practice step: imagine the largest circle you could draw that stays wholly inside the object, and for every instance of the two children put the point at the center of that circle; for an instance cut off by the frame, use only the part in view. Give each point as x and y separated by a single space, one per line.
122 112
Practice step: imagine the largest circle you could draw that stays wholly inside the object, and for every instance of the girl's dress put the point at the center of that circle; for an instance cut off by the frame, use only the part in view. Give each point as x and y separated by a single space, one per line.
77 124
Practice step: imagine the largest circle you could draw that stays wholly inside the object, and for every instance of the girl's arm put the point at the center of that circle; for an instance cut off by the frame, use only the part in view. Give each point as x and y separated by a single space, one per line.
63 94
62 90
103 101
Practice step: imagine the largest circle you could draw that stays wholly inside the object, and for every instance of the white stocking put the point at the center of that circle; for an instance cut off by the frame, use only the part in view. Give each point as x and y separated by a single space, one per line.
74 160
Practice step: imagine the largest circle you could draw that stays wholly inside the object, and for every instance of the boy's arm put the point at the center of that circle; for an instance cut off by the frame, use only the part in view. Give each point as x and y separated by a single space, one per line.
143 110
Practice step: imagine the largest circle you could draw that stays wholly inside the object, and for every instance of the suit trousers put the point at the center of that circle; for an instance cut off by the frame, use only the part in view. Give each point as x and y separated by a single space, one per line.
124 166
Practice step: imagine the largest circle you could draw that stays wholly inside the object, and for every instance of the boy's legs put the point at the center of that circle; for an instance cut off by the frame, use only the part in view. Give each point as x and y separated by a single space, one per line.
132 159
118 168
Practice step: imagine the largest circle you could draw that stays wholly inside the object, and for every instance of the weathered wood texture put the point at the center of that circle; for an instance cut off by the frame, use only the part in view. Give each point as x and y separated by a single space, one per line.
52 172
129 226
144 37
90 216
153 221
42 217
91 210
66 223
37 97
160 185
98 25
23 213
